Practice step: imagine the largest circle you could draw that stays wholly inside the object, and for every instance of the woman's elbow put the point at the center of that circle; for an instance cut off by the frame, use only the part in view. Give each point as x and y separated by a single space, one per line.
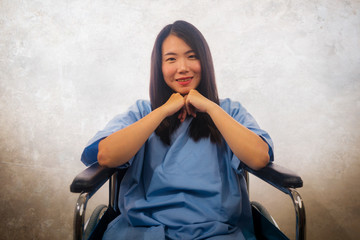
108 158
261 162
263 157
103 157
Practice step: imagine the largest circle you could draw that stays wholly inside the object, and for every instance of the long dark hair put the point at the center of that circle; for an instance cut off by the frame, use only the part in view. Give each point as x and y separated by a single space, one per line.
202 126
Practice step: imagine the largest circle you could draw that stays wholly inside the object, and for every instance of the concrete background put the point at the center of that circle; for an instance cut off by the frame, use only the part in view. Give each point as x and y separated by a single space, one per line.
67 67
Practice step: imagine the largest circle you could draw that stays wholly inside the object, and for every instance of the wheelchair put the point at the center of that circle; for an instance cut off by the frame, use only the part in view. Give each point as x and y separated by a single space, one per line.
90 180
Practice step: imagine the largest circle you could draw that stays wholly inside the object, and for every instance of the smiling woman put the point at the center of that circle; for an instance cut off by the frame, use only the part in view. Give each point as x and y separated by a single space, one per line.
183 150
180 66
192 40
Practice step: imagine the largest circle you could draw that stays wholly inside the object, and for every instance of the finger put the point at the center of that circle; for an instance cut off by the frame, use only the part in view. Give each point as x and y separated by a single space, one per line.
186 105
185 98
191 110
180 113
183 115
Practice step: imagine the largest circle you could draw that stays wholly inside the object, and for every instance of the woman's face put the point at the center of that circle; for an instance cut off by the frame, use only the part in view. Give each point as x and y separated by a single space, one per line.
180 66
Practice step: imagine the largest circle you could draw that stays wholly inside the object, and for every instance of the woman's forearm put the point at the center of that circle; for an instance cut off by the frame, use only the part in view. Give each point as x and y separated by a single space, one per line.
118 148
244 143
121 146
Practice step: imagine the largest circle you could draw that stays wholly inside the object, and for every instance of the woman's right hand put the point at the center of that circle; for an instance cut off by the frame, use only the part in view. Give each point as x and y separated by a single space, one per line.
119 147
174 104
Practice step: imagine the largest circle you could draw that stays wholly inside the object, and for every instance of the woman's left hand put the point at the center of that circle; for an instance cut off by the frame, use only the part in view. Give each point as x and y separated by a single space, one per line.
195 102
253 152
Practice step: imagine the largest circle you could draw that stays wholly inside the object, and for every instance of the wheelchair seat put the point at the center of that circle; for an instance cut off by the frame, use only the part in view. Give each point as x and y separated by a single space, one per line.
94 177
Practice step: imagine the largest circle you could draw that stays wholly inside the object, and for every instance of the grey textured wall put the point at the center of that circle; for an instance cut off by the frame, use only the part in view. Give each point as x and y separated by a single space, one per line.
67 67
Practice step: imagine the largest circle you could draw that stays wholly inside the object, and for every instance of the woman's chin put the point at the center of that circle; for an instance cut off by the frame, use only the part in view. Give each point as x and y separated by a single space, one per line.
184 92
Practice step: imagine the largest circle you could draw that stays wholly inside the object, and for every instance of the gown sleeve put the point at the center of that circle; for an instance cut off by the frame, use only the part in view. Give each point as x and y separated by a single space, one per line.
241 115
137 111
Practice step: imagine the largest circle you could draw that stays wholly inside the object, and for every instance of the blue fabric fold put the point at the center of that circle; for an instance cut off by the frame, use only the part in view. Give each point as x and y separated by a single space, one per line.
188 190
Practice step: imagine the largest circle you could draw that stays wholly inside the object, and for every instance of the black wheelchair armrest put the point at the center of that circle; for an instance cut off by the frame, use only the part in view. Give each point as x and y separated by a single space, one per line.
91 178
277 176
286 181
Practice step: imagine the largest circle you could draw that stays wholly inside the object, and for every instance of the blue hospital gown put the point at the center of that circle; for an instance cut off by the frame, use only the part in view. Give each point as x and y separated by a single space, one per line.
188 190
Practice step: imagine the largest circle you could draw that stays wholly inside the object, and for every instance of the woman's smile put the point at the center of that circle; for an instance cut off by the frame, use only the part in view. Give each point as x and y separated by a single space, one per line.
180 66
184 80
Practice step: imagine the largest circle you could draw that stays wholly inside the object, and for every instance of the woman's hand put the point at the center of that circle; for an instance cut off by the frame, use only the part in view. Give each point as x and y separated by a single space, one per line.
189 104
173 104
195 102
245 144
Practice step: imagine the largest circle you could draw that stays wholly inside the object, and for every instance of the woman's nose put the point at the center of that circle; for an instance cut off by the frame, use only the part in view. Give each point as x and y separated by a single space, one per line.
183 66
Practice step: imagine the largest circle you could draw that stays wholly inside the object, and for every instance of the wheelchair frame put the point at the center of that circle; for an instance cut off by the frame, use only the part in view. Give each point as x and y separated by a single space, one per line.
94 177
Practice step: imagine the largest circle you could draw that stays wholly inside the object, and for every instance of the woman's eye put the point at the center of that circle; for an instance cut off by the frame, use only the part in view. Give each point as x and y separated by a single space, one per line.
193 56
171 59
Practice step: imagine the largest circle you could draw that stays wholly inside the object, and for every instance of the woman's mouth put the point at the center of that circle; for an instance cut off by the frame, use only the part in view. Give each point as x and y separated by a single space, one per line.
184 80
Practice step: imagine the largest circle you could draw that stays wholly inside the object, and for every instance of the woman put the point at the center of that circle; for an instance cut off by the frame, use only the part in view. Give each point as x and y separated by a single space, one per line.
183 150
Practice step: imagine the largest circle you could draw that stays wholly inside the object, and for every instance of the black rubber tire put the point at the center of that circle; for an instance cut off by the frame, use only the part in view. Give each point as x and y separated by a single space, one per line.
264 212
94 219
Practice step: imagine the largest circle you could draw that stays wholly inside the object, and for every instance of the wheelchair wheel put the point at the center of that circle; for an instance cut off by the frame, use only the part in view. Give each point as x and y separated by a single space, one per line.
264 212
94 219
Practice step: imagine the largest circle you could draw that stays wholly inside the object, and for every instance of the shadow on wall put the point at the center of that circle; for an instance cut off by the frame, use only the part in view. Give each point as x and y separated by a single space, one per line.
321 221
